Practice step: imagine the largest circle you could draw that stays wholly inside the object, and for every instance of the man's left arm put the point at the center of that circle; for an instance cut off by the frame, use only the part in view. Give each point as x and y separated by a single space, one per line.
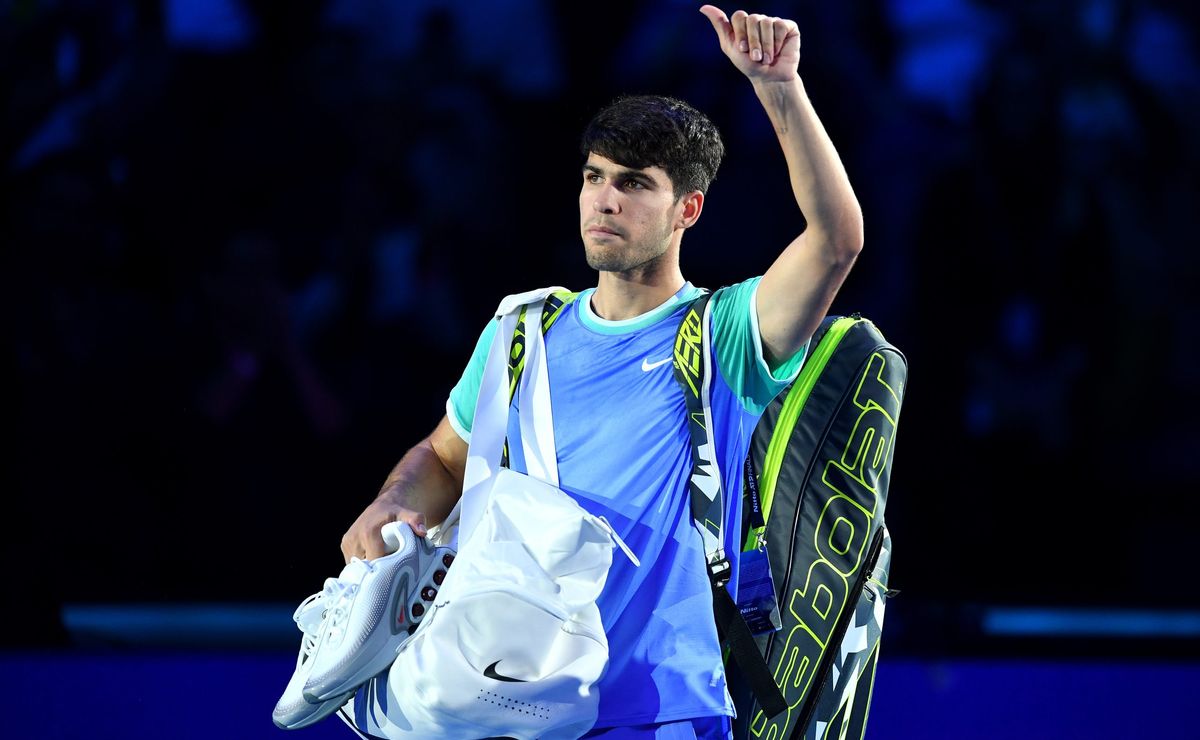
796 292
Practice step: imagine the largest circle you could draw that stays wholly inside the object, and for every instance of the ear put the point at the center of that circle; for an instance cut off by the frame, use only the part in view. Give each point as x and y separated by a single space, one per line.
691 205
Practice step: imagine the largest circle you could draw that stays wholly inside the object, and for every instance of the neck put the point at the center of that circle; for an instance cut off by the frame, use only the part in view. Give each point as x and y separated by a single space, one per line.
623 295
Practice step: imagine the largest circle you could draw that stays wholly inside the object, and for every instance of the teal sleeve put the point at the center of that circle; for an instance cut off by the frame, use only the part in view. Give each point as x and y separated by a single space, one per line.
739 348
460 407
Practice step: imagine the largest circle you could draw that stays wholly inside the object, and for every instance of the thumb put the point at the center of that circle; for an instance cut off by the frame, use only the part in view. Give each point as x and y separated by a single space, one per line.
418 525
720 23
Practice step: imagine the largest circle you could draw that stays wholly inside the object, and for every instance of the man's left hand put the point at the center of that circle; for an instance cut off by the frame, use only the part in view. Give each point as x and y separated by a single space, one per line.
763 48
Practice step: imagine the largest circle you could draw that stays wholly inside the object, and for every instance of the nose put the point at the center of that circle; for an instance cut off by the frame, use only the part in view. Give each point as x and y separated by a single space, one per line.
605 202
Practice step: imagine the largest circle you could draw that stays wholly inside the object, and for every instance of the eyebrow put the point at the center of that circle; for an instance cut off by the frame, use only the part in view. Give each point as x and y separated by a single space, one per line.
622 174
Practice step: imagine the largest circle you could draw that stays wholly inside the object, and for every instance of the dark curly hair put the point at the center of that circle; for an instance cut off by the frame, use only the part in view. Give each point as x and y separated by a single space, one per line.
657 131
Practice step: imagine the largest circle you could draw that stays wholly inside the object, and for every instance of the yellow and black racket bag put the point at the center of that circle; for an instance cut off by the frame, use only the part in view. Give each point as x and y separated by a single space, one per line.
815 490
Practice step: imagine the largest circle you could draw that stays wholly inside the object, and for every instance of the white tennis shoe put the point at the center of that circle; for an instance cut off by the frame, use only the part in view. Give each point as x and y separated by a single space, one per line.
370 610
293 711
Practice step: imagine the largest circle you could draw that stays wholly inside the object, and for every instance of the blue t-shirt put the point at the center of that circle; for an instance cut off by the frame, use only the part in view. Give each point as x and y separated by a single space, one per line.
623 453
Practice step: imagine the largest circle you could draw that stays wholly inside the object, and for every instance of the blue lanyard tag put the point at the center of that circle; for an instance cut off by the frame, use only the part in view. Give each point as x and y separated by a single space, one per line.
756 592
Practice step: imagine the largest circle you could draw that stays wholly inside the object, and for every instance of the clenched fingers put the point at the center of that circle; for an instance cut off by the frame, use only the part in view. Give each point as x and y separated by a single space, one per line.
782 29
364 539
760 36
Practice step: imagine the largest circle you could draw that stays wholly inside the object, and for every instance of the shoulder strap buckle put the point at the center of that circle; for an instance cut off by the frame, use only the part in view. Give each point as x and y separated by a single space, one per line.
719 571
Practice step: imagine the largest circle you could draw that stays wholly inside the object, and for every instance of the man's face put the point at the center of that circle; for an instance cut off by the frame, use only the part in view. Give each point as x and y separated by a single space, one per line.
626 215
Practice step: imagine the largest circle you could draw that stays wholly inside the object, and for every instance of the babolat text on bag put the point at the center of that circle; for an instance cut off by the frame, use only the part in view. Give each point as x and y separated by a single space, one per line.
822 456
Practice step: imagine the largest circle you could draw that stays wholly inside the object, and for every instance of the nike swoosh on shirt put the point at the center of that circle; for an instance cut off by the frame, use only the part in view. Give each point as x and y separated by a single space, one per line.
647 366
490 672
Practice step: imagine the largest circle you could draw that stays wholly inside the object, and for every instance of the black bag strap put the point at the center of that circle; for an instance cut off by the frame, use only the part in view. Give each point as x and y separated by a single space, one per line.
692 370
691 360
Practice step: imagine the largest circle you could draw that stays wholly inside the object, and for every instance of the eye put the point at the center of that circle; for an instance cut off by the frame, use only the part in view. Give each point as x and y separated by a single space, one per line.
591 178
634 185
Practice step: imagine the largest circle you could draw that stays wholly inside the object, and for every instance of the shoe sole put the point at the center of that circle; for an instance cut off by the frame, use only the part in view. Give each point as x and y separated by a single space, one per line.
295 717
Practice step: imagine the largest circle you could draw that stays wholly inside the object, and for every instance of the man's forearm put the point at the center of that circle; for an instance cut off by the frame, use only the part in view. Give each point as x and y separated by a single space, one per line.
819 181
799 287
422 482
421 490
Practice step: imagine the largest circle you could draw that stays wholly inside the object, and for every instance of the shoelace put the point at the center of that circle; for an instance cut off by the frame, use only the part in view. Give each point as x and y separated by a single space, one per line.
335 599
308 618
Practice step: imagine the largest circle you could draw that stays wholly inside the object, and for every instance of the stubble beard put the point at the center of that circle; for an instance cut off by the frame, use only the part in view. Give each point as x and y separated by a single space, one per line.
641 258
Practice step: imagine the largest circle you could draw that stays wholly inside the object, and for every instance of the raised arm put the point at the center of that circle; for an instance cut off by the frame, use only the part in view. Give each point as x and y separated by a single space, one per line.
796 292
423 487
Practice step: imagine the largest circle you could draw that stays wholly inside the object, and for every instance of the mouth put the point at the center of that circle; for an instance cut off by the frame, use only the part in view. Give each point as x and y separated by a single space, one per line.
602 231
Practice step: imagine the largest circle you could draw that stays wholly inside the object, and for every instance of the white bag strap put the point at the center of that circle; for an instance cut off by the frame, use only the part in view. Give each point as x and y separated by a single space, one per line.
536 414
490 423
511 303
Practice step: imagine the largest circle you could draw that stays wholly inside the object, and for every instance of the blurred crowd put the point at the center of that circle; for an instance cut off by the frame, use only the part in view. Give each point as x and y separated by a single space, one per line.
248 246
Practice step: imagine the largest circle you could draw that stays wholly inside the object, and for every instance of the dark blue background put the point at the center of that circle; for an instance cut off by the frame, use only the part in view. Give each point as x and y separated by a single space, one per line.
248 245
229 694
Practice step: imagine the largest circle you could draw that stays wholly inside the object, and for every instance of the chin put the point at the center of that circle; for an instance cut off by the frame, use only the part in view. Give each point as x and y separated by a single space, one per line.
605 264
